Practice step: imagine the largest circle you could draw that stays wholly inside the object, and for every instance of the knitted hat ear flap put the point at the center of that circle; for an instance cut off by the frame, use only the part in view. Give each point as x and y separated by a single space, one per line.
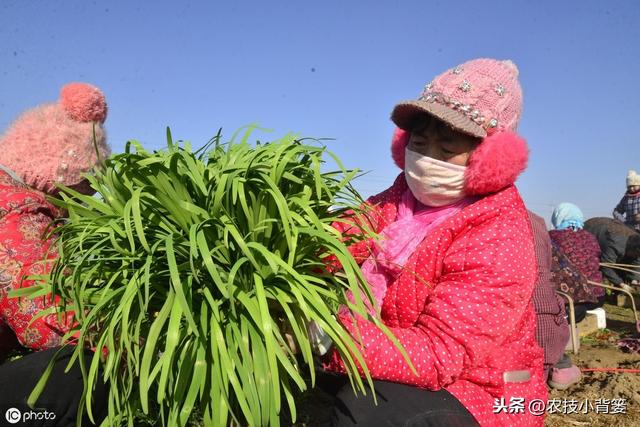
399 142
495 163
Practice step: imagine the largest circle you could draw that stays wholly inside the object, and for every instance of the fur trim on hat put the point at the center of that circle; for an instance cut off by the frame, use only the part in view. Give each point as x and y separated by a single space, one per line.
399 142
495 164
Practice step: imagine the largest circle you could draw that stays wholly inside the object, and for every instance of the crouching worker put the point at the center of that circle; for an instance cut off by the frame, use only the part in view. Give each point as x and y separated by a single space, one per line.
455 269
48 145
619 244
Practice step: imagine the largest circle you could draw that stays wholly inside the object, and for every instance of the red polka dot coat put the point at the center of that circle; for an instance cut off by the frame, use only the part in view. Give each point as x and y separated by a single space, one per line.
473 320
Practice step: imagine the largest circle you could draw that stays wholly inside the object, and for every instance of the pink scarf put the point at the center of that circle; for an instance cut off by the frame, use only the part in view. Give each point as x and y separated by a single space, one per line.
399 240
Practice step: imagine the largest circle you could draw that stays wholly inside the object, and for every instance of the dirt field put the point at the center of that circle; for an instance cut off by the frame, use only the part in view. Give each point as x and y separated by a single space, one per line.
588 403
599 351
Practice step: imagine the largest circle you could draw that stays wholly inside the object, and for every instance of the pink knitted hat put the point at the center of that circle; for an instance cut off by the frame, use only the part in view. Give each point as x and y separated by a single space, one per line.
53 143
478 96
482 98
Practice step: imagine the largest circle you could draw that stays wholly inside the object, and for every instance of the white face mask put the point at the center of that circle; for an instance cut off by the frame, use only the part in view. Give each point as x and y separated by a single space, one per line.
433 182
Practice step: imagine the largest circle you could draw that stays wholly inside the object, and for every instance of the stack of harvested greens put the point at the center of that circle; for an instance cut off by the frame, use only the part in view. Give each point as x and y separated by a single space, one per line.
187 265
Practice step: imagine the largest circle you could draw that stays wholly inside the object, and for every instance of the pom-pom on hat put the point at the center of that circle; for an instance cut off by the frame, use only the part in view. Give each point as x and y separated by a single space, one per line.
54 143
633 178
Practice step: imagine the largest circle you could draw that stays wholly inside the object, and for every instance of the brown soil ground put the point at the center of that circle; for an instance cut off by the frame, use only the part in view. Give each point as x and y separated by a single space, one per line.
598 350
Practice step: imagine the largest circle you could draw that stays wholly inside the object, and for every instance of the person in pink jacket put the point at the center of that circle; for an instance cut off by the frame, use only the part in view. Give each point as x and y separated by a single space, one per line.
49 145
455 268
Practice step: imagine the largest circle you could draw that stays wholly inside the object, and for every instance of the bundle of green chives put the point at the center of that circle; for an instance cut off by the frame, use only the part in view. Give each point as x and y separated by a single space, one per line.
185 268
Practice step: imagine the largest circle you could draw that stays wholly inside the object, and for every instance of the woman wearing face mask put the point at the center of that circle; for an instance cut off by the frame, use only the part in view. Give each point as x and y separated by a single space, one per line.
454 271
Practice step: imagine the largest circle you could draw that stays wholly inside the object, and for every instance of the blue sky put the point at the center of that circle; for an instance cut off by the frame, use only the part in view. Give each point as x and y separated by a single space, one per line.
336 69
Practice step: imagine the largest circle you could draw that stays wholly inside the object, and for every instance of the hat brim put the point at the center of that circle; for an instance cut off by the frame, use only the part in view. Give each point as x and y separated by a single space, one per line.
404 114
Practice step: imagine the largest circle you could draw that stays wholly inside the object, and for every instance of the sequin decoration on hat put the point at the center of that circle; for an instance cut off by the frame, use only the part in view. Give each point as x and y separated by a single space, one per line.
478 97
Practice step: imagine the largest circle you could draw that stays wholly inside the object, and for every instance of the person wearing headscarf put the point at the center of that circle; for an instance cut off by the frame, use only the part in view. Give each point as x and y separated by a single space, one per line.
581 250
